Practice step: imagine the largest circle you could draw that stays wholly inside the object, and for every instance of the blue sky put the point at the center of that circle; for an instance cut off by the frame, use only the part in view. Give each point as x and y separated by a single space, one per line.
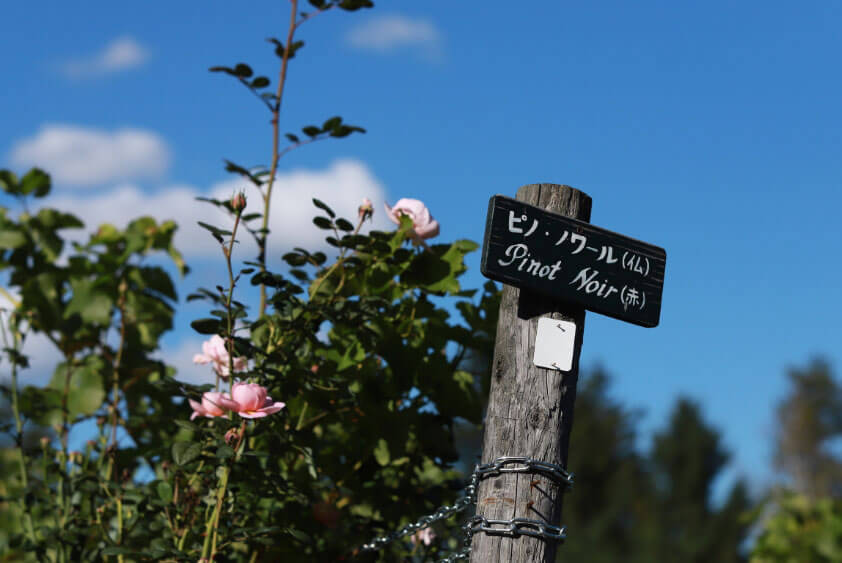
709 129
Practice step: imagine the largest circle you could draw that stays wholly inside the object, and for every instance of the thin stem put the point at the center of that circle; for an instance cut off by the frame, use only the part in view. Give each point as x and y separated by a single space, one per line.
15 303
65 432
231 283
273 169
212 528
119 526
294 146
24 481
301 416
115 381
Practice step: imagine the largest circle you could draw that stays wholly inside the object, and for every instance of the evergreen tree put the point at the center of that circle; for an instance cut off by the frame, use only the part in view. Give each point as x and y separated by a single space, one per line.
628 506
613 497
686 459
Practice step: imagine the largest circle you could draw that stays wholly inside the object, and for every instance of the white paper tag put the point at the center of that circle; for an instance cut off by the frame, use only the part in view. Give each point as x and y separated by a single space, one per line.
554 344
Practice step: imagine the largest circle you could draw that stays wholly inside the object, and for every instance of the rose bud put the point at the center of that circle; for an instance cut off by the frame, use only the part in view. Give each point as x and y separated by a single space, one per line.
366 210
238 202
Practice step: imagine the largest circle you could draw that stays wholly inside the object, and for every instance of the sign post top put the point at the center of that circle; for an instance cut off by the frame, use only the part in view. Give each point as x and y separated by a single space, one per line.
571 260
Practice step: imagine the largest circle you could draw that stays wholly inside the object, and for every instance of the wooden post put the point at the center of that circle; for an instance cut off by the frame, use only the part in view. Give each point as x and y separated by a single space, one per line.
530 409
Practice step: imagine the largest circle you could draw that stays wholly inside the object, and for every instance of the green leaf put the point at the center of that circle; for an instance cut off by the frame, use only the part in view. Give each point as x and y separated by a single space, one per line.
10 239
311 131
36 182
381 452
224 451
165 491
215 231
187 425
294 259
42 404
323 222
300 536
279 47
243 70
90 301
85 390
354 5
185 452
236 168
322 205
260 82
116 550
206 326
154 278
9 182
331 123
292 138
296 45
344 225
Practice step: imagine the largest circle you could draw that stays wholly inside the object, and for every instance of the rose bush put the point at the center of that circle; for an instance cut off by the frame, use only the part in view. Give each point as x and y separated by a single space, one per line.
363 344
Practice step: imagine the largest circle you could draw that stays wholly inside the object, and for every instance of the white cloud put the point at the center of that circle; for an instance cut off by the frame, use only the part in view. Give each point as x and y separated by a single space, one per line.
342 185
86 157
389 33
42 354
121 54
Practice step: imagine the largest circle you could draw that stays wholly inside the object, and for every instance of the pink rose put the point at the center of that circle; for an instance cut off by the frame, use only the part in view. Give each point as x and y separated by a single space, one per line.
427 535
213 404
424 225
214 352
252 401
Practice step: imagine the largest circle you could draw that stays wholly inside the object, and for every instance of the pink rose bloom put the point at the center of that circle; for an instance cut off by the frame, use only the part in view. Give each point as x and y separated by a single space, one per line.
427 535
252 401
214 352
423 223
213 404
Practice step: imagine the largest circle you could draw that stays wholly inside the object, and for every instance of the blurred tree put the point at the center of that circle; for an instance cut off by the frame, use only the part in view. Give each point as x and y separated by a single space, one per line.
627 506
609 510
686 459
809 419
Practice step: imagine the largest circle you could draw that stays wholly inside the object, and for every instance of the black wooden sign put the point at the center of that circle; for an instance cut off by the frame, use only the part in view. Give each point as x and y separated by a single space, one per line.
570 260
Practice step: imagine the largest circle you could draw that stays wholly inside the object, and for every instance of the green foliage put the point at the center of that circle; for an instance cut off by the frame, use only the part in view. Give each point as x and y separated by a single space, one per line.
36 182
363 351
799 529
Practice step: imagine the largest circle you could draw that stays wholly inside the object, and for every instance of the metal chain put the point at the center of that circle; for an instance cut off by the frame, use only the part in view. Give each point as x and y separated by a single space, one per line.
514 528
525 465
517 527
442 513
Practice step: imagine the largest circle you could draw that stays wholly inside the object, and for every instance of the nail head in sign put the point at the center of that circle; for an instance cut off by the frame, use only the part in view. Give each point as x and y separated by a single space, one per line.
554 344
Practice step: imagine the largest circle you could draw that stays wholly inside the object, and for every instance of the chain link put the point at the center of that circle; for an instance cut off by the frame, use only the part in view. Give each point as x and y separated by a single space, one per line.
525 465
515 527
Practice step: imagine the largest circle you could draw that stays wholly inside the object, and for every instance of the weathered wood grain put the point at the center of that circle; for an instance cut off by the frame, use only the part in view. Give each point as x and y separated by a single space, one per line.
530 409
